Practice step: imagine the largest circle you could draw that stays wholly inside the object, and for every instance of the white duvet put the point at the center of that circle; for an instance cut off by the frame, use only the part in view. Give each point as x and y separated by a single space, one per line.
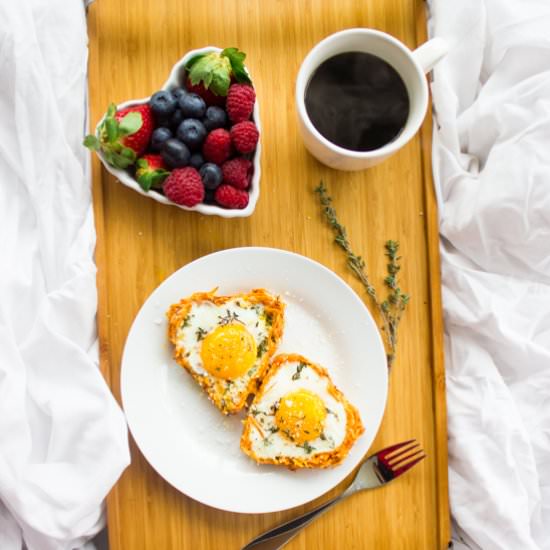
63 440
492 169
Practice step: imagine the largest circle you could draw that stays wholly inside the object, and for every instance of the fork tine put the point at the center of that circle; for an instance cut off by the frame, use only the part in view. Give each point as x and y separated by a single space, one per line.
406 458
402 469
385 452
406 449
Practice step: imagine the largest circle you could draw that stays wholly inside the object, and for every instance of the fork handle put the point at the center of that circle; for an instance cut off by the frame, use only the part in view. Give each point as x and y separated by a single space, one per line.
279 536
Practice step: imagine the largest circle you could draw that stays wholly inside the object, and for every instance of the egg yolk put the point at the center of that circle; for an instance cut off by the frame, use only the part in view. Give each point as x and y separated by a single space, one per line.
228 351
301 416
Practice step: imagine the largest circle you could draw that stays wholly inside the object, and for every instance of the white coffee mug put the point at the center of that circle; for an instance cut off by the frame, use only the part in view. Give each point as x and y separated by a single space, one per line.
411 66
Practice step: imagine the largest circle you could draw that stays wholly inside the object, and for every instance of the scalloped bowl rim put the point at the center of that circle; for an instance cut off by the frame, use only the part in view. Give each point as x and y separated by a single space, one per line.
207 209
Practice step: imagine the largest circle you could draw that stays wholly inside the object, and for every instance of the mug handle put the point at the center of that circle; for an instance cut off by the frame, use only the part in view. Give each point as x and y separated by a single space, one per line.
430 53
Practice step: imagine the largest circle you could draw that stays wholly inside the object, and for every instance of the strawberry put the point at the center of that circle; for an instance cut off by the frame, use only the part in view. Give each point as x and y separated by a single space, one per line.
215 71
151 171
210 98
123 135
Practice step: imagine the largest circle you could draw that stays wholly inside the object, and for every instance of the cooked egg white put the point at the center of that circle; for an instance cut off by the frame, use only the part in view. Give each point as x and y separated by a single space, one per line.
239 328
299 418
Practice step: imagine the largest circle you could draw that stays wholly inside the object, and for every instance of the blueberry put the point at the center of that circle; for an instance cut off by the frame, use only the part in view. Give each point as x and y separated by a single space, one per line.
211 175
176 119
160 135
192 106
215 117
163 104
175 153
196 160
209 196
178 92
192 132
164 121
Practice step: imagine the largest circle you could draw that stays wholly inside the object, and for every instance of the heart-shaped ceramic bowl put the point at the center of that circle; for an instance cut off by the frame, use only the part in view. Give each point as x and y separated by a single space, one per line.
175 80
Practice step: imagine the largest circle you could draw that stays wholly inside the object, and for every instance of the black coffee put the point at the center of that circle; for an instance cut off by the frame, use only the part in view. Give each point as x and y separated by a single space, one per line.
357 101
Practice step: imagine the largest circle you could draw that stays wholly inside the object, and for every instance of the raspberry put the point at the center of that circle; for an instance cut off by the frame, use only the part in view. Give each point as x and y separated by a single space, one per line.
228 196
184 186
217 146
237 172
240 102
244 136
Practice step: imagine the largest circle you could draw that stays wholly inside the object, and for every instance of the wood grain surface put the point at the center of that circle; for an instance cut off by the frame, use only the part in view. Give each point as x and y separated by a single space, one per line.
133 46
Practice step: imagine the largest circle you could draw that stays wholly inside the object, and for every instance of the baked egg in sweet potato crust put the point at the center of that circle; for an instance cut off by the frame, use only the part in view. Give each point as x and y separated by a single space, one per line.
226 342
299 418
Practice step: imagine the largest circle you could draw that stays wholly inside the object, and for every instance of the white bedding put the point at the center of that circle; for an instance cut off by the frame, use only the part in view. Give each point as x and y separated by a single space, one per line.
492 169
63 439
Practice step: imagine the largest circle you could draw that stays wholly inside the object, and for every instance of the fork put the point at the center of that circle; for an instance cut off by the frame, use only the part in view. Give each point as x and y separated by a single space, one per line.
377 470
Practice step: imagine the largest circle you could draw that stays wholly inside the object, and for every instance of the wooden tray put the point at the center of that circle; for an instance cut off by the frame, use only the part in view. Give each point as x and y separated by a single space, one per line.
133 45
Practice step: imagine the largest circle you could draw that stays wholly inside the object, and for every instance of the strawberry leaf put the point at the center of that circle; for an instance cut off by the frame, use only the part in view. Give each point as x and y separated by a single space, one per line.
91 142
121 161
193 60
147 180
111 110
111 127
236 59
129 154
207 79
108 157
130 124
220 83
214 71
158 177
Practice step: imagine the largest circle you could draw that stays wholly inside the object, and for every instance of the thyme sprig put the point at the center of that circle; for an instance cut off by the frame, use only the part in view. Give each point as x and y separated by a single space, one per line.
392 308
200 334
299 369
229 318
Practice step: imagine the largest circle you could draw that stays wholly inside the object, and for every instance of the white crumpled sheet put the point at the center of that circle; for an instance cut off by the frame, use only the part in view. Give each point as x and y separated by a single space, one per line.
492 169
63 439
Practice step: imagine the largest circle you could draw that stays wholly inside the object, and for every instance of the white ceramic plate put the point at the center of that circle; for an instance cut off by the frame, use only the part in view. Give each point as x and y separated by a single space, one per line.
187 440
174 81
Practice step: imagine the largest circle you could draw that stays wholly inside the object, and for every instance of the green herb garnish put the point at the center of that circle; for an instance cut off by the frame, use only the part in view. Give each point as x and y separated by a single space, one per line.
228 318
392 308
187 321
299 369
262 347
